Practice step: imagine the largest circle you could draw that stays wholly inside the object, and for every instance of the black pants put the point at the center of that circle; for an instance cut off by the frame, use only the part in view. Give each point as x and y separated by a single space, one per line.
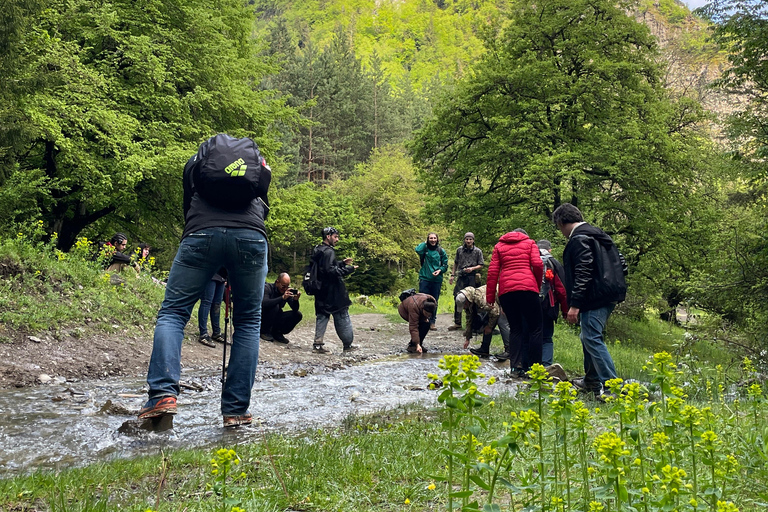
462 282
284 322
523 311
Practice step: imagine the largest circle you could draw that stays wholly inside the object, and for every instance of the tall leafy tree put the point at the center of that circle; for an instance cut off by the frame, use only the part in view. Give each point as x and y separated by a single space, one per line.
735 284
114 98
566 105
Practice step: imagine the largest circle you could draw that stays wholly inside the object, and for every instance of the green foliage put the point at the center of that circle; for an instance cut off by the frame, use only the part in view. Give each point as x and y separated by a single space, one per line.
377 210
110 99
46 289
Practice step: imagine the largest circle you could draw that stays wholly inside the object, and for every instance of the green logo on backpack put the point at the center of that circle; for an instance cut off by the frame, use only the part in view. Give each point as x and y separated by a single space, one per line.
236 168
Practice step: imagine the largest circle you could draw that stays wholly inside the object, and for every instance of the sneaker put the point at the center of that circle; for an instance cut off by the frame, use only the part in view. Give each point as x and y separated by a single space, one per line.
236 421
266 337
218 338
279 338
502 356
519 373
350 348
166 405
454 327
587 387
318 349
479 353
556 372
206 340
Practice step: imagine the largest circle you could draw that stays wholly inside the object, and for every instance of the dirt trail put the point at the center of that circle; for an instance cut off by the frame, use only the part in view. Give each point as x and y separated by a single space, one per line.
34 359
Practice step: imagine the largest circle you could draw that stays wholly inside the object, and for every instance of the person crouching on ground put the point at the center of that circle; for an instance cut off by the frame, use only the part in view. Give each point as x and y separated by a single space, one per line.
472 301
417 310
276 323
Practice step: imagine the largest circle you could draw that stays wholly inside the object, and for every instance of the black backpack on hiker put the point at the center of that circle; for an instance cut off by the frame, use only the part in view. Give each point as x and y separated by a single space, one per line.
549 309
311 281
229 173
410 292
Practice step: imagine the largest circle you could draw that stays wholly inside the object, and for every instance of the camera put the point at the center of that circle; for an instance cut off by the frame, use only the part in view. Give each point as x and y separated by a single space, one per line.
293 291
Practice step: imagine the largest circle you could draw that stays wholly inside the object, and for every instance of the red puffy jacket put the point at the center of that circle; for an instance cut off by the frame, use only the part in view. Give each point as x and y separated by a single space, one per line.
516 266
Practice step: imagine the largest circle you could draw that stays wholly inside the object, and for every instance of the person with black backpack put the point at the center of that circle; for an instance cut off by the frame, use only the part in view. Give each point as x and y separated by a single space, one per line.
332 297
553 299
225 206
594 282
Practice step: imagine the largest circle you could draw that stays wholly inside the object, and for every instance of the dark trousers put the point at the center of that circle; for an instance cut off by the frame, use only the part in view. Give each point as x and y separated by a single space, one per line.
283 322
423 330
462 282
523 311
431 288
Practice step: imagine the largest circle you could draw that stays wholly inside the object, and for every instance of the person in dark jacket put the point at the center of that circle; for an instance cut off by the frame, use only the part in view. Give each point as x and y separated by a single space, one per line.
434 265
213 237
417 310
466 265
276 323
517 269
120 259
553 297
333 298
594 282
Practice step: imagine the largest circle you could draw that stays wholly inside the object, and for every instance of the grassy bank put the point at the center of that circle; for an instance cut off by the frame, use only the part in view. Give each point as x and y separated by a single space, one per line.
626 455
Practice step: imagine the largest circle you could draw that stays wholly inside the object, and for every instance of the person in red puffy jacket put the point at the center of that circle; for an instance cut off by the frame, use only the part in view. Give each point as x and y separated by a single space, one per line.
517 270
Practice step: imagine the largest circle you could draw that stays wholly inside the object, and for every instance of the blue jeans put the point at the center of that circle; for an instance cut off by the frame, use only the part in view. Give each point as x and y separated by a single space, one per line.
431 288
547 346
598 365
244 254
341 321
210 302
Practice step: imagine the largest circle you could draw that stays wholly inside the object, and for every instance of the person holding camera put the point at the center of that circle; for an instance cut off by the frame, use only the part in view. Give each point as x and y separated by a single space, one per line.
276 323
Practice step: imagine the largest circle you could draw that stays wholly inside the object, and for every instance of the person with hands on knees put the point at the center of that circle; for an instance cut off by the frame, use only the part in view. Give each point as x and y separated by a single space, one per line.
417 310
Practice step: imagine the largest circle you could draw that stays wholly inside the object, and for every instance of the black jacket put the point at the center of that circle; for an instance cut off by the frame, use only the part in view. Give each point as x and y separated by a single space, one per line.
333 296
594 274
273 302
198 214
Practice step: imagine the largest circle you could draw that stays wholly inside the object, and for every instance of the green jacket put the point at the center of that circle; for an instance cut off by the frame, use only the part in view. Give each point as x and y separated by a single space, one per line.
433 260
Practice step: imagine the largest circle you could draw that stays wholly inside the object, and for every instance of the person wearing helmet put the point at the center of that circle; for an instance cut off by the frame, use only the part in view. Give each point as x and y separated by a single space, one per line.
333 298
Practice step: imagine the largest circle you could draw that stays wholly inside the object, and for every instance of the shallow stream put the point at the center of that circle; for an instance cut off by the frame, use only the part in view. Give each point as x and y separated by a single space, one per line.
73 424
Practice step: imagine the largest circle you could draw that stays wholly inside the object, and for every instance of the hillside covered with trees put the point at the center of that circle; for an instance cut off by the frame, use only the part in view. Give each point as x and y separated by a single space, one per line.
388 119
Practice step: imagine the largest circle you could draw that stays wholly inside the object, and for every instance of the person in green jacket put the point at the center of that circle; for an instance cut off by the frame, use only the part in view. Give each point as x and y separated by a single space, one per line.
434 263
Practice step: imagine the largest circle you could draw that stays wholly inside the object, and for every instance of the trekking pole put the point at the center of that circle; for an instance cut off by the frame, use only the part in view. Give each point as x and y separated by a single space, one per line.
227 305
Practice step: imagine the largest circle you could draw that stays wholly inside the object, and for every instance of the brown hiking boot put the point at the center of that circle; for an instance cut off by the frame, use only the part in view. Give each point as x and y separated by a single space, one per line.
166 405
236 421
454 327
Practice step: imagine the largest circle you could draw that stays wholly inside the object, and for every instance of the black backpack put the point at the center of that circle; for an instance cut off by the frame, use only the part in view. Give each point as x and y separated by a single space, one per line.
311 281
410 292
229 173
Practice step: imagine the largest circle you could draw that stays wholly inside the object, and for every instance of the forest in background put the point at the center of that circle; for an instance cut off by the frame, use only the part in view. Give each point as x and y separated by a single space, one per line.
389 119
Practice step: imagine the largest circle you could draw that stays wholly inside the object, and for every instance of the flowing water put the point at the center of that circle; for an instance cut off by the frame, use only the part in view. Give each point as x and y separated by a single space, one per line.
73 424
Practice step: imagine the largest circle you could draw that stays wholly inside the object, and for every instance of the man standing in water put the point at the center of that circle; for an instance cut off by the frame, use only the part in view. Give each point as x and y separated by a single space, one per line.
223 227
